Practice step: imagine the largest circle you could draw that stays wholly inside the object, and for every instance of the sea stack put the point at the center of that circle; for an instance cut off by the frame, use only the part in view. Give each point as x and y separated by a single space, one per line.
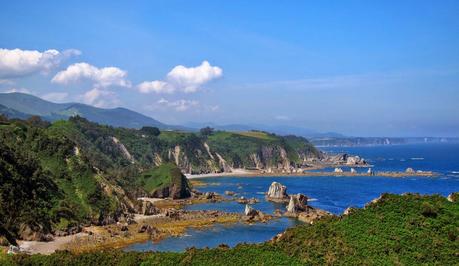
297 203
277 193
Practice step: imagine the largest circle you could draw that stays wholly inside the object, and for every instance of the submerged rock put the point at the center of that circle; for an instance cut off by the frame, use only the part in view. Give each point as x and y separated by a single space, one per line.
277 192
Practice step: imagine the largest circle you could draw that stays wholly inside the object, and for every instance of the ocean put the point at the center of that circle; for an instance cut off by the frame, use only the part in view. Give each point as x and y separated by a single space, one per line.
330 193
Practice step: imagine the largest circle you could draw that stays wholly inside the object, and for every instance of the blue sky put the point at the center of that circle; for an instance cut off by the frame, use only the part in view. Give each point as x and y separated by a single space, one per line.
364 68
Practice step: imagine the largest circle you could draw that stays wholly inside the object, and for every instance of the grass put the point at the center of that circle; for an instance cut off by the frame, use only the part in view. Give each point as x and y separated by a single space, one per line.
396 230
257 135
158 177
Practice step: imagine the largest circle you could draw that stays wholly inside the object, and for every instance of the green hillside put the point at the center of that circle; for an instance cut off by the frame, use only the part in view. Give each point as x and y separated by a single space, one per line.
396 230
58 176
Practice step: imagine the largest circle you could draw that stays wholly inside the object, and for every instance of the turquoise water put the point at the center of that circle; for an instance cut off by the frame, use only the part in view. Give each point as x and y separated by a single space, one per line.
333 194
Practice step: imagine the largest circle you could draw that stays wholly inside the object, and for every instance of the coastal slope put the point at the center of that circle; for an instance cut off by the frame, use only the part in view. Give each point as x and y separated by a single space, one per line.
406 229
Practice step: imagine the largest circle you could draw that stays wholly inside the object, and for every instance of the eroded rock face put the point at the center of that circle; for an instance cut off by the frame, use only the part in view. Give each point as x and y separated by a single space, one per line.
249 211
277 192
34 233
147 208
297 203
179 189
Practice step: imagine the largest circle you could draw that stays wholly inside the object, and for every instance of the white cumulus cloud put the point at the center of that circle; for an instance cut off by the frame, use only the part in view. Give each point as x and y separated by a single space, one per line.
155 86
185 79
17 63
101 77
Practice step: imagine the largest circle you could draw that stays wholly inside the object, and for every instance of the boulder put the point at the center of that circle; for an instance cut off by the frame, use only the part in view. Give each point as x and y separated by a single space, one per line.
230 193
277 192
409 170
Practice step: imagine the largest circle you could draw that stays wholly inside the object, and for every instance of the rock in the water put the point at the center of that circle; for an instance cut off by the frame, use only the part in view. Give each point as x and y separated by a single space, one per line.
249 211
277 192
297 203
338 170
353 171
409 170
230 193
355 160
370 171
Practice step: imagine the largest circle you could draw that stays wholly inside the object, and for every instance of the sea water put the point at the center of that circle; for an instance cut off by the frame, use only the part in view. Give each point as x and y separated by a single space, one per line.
330 193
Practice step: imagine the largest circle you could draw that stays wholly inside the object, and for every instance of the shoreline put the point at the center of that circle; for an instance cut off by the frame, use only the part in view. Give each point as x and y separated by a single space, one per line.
307 173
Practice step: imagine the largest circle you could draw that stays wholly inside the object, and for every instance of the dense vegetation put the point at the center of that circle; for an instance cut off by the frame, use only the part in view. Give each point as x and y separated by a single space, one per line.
57 176
395 230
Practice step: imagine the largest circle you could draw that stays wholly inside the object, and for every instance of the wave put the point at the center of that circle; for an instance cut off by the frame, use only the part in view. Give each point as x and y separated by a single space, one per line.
454 172
417 158
312 199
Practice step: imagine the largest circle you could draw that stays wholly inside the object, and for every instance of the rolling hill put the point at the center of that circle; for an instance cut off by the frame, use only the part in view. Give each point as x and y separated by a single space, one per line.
21 105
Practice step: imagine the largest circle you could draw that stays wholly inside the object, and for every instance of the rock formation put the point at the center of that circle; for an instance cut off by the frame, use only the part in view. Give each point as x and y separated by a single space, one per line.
338 170
297 203
298 208
249 211
147 208
277 193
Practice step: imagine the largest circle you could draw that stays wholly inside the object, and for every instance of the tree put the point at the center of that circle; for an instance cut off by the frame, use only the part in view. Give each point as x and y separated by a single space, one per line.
154 131
206 131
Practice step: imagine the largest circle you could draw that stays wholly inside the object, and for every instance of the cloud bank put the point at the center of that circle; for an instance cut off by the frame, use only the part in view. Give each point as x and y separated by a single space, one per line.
18 63
181 78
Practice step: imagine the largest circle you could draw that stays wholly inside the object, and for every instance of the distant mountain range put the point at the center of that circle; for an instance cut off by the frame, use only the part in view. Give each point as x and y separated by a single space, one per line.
21 105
